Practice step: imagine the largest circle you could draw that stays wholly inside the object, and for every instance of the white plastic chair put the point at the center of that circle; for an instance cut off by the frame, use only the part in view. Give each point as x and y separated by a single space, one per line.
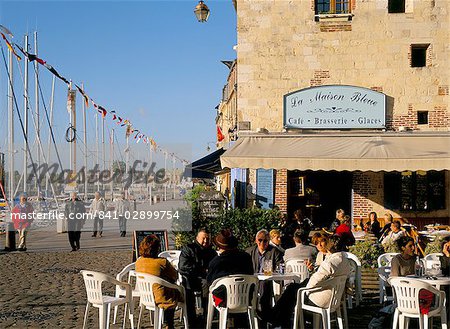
337 286
126 275
173 256
383 275
407 301
144 283
298 266
93 282
432 259
354 279
384 261
240 299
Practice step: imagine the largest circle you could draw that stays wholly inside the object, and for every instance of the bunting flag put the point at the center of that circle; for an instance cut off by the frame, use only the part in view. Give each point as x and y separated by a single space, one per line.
114 115
51 69
220 136
136 133
10 47
86 98
31 57
119 120
100 109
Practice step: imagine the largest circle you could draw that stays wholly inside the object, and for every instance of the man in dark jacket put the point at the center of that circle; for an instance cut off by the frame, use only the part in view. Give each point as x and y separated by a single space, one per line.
194 261
75 214
262 251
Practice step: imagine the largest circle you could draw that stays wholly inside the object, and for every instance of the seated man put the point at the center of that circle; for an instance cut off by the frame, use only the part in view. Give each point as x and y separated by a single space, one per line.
194 261
301 250
395 234
230 261
263 251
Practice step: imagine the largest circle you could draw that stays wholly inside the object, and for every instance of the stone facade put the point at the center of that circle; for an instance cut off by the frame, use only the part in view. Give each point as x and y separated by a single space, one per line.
283 46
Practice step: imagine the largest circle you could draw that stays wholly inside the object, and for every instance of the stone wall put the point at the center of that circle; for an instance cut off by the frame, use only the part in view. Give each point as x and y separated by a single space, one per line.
281 48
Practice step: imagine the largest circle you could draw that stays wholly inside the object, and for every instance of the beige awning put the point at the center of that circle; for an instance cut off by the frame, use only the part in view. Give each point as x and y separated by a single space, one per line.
352 152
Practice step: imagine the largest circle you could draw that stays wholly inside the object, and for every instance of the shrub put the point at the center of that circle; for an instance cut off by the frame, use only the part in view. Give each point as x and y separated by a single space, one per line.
367 252
244 223
434 246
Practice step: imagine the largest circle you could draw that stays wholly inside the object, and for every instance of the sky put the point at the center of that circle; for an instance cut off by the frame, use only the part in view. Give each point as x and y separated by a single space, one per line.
151 61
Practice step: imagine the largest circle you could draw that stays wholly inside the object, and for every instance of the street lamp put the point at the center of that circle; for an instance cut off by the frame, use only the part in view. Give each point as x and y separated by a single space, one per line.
201 11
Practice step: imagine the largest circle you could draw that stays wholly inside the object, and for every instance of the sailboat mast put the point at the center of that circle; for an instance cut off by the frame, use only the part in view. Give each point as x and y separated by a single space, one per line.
36 91
97 154
103 147
112 164
85 149
25 111
11 130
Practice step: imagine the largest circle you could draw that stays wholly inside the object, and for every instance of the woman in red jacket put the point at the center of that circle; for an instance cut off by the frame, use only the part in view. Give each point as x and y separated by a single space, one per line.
345 232
22 216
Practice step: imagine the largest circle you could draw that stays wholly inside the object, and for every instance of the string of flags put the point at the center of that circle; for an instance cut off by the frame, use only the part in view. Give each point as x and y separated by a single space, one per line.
119 120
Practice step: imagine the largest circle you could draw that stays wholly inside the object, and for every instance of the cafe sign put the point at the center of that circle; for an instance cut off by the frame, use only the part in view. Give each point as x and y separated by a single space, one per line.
335 107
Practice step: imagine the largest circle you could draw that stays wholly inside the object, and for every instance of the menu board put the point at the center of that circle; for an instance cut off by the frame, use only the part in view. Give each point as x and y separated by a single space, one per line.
138 236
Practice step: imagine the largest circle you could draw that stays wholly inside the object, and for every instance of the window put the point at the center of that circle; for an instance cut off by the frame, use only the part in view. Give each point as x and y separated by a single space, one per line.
419 55
396 6
332 7
422 117
420 190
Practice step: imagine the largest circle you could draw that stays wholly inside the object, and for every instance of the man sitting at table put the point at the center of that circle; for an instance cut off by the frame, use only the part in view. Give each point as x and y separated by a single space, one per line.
194 261
301 250
263 251
395 234
230 261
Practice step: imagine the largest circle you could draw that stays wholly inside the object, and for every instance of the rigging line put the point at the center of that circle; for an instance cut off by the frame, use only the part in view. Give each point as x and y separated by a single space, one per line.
47 117
120 152
18 113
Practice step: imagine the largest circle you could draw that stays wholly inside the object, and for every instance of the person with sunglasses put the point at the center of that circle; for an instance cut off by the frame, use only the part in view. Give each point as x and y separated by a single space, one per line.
263 251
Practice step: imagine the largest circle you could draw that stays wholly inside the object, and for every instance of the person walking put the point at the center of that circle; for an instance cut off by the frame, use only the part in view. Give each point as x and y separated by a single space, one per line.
98 207
22 217
75 213
122 206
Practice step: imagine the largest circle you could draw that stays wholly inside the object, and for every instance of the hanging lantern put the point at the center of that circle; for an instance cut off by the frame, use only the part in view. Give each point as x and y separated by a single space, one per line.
201 11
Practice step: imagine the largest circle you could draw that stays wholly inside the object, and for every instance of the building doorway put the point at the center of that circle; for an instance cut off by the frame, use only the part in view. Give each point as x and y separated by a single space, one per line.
319 194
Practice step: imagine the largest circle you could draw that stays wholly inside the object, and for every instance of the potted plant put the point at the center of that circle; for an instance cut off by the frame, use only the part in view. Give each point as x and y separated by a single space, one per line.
368 252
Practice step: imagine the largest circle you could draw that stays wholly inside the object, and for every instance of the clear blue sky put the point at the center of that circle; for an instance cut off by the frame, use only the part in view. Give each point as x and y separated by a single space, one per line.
151 61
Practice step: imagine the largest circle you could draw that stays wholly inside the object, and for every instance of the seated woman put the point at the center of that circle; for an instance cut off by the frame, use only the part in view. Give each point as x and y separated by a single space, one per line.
320 240
150 263
345 232
335 264
275 240
445 259
404 263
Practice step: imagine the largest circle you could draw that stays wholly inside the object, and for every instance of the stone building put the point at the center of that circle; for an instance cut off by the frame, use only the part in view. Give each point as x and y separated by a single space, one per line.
344 104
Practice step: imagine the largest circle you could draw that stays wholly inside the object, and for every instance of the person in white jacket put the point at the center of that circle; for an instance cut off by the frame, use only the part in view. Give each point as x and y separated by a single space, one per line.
97 209
122 206
335 264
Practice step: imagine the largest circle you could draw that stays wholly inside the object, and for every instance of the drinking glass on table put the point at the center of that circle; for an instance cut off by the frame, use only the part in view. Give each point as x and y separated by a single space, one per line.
267 267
